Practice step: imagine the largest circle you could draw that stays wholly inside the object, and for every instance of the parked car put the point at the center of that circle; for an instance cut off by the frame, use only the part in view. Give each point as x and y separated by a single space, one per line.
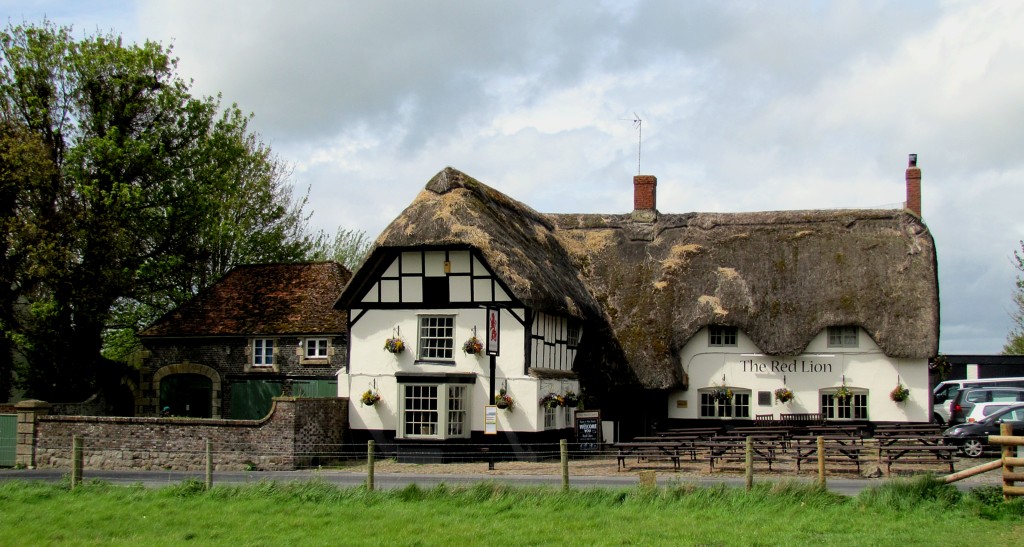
984 410
965 400
973 438
946 390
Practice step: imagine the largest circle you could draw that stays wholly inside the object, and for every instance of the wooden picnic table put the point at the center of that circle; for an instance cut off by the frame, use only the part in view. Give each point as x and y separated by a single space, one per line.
910 452
909 438
839 449
764 448
705 432
648 450
836 429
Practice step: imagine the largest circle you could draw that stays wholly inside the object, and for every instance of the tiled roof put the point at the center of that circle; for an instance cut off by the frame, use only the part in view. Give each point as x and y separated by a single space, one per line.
263 299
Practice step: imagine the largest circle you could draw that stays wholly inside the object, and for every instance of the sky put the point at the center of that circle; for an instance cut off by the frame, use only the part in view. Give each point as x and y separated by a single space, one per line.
745 106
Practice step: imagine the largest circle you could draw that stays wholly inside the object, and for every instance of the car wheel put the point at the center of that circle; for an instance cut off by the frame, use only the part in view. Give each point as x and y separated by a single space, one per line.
973 448
937 419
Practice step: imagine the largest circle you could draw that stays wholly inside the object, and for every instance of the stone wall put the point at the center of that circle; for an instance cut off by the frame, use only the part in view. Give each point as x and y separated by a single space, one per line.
297 433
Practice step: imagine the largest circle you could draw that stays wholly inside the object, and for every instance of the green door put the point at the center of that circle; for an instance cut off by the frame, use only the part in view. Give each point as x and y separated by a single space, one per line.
315 389
8 439
251 399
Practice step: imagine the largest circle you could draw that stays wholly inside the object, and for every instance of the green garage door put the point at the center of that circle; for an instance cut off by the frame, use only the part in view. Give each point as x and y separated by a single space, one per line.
315 389
251 399
8 439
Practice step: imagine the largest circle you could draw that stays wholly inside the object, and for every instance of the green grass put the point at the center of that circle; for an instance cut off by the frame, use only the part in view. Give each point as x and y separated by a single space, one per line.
919 512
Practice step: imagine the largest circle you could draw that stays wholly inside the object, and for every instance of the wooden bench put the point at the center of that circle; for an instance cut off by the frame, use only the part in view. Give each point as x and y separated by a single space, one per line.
801 419
839 449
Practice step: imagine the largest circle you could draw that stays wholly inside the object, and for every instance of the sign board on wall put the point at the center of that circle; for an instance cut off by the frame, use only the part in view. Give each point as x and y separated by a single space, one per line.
493 330
490 420
588 429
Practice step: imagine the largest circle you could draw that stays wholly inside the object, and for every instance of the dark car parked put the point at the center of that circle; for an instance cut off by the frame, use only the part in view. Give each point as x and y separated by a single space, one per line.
972 438
965 399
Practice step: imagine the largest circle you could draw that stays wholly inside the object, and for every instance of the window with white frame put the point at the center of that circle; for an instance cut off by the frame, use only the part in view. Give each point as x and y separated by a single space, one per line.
436 338
854 407
572 335
316 348
263 352
436 411
713 405
550 417
719 335
842 337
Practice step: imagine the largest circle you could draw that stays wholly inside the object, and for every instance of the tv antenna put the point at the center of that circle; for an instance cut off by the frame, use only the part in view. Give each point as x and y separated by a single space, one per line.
639 125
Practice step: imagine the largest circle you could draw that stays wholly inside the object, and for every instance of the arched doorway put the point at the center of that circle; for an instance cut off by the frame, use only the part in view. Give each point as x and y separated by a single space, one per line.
188 395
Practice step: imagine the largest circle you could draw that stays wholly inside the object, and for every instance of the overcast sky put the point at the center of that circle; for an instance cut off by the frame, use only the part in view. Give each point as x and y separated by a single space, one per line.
745 106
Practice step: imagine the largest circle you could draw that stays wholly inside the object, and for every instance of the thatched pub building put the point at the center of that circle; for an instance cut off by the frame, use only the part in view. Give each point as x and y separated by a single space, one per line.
655 319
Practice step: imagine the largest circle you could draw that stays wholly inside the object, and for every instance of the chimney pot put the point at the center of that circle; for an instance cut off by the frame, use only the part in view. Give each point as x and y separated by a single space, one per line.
913 186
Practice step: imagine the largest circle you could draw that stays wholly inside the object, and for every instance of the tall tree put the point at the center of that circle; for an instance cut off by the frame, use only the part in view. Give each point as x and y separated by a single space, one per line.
1015 340
348 247
130 217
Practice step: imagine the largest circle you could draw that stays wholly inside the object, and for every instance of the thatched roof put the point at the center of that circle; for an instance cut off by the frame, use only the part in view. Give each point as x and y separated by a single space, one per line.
781 277
518 243
262 299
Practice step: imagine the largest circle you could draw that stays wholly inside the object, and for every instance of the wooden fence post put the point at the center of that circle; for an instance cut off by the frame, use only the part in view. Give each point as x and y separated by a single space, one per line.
370 445
76 461
821 463
209 465
563 449
1008 450
750 462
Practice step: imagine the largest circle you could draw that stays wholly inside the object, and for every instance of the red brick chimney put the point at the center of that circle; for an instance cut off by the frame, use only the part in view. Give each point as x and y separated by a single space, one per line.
645 192
913 186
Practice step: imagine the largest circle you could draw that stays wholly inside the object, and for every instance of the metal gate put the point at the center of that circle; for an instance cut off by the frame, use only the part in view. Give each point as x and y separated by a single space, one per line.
8 439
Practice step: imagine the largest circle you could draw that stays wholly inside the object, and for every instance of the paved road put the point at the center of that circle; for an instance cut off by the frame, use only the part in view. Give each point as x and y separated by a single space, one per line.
849 487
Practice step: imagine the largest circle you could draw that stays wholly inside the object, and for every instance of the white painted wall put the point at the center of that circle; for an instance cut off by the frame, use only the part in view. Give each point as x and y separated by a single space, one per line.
818 367
370 365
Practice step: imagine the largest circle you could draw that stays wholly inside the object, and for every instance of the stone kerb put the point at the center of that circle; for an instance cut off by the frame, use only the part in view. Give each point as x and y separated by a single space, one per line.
180 443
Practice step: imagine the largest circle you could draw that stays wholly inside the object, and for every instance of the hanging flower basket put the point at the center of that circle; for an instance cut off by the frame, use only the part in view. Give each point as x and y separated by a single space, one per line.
370 397
503 400
899 393
571 399
394 345
722 394
843 393
783 395
473 346
552 400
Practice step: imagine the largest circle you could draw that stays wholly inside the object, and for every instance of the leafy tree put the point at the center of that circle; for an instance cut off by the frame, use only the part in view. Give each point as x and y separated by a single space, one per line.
1015 340
152 194
348 248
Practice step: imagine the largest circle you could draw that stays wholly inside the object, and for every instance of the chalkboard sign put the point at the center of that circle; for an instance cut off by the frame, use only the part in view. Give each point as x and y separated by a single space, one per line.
588 429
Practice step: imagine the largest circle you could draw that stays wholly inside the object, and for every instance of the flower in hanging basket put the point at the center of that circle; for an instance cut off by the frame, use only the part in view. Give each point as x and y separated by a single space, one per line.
571 399
503 400
370 397
843 393
473 346
899 393
552 400
722 394
394 345
783 395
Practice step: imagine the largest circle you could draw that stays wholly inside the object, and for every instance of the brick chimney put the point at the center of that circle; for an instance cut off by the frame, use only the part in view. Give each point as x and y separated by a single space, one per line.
913 186
645 196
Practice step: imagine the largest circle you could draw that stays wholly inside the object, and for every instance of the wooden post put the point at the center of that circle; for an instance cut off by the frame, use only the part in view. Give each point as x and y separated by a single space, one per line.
750 463
1006 430
76 461
209 465
563 448
821 463
369 465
